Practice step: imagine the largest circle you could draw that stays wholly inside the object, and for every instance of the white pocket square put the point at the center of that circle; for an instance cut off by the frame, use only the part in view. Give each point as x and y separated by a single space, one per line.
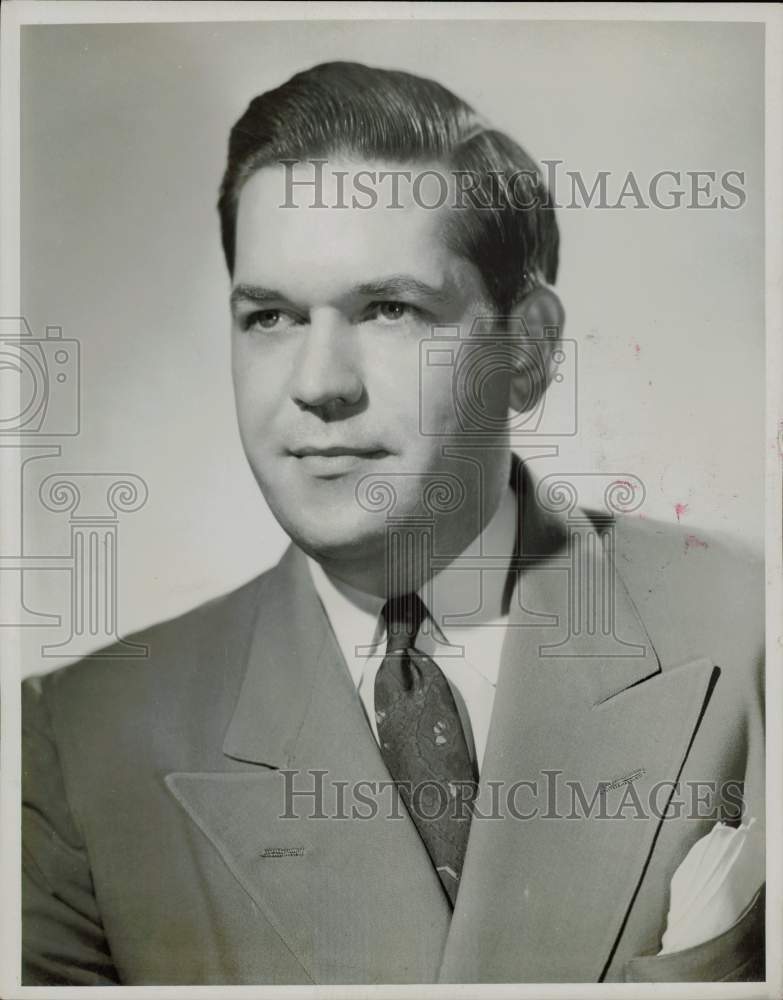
714 885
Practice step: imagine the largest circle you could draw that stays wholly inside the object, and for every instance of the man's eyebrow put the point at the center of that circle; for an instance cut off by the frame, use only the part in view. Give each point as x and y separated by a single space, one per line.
399 285
254 293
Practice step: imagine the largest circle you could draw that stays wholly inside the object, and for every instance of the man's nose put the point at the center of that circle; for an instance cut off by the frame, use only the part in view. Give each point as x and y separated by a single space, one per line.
327 375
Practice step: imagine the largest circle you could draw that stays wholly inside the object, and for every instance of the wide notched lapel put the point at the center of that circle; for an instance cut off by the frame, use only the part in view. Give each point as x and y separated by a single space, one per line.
546 888
338 871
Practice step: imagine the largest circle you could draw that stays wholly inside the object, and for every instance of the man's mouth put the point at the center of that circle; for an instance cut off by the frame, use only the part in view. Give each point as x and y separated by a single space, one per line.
335 460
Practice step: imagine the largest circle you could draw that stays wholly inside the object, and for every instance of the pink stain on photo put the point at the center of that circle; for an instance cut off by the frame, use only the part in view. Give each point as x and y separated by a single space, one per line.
680 509
694 542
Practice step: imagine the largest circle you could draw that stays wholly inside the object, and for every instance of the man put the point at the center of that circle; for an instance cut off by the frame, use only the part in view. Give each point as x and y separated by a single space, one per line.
225 811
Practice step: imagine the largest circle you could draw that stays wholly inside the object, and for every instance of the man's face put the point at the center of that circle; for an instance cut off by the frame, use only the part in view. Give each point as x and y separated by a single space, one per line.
330 306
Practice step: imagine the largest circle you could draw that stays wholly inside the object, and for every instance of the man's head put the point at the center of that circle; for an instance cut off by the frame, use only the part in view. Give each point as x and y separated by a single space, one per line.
333 297
374 115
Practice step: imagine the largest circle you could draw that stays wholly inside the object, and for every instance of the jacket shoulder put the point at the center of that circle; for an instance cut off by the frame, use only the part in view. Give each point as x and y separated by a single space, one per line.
698 593
199 648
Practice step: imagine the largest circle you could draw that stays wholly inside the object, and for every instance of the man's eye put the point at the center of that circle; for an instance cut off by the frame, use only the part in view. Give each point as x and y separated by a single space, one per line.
268 319
392 312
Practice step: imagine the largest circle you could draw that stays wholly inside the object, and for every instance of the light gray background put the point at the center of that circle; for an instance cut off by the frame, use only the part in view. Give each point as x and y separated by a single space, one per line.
124 132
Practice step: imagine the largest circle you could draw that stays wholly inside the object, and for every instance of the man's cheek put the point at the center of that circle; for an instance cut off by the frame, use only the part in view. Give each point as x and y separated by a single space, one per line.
255 407
440 410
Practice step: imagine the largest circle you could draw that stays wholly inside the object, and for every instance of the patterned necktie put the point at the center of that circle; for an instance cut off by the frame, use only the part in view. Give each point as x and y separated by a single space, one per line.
422 741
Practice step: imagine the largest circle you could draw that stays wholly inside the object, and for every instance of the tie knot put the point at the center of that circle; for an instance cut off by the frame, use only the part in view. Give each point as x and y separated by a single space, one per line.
403 616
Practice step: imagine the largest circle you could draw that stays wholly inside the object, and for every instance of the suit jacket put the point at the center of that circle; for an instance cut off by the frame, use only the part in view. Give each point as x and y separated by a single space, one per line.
160 846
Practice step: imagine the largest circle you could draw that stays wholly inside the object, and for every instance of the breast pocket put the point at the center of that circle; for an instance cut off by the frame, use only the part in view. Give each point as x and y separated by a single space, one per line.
737 955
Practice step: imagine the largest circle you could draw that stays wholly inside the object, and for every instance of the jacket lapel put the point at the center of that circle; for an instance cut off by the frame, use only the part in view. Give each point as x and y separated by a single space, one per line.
335 867
546 888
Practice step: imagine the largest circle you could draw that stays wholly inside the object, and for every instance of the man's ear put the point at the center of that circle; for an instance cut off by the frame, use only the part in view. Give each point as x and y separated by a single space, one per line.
543 316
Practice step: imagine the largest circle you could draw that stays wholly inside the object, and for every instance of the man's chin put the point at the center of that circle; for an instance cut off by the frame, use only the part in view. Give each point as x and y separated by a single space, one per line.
337 539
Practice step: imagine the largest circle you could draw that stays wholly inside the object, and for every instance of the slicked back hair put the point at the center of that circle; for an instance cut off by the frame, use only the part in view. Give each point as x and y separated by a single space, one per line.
352 110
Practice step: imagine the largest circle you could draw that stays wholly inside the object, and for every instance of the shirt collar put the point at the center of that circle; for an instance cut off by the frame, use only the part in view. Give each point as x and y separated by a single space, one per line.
355 616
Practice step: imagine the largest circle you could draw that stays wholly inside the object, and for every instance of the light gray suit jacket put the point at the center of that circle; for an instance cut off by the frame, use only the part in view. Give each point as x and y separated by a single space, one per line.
155 851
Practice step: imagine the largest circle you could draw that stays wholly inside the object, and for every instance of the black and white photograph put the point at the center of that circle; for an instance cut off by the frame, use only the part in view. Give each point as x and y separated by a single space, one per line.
391 440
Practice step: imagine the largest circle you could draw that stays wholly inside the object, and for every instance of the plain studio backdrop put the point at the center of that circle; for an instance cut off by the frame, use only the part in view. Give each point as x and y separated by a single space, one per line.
124 133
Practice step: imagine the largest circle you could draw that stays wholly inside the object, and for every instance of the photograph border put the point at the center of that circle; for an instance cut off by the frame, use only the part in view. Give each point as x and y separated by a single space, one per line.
17 13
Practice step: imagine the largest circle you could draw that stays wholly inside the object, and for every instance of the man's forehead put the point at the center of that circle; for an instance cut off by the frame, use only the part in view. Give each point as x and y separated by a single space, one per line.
340 181
342 220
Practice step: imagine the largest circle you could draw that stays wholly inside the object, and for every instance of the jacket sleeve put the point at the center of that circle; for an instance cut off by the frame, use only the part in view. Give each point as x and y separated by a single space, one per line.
63 942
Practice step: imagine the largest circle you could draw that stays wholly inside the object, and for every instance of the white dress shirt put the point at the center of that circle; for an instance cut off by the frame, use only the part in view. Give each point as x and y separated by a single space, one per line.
466 637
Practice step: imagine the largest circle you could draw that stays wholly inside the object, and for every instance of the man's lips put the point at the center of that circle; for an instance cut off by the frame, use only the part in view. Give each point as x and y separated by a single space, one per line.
333 461
336 451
